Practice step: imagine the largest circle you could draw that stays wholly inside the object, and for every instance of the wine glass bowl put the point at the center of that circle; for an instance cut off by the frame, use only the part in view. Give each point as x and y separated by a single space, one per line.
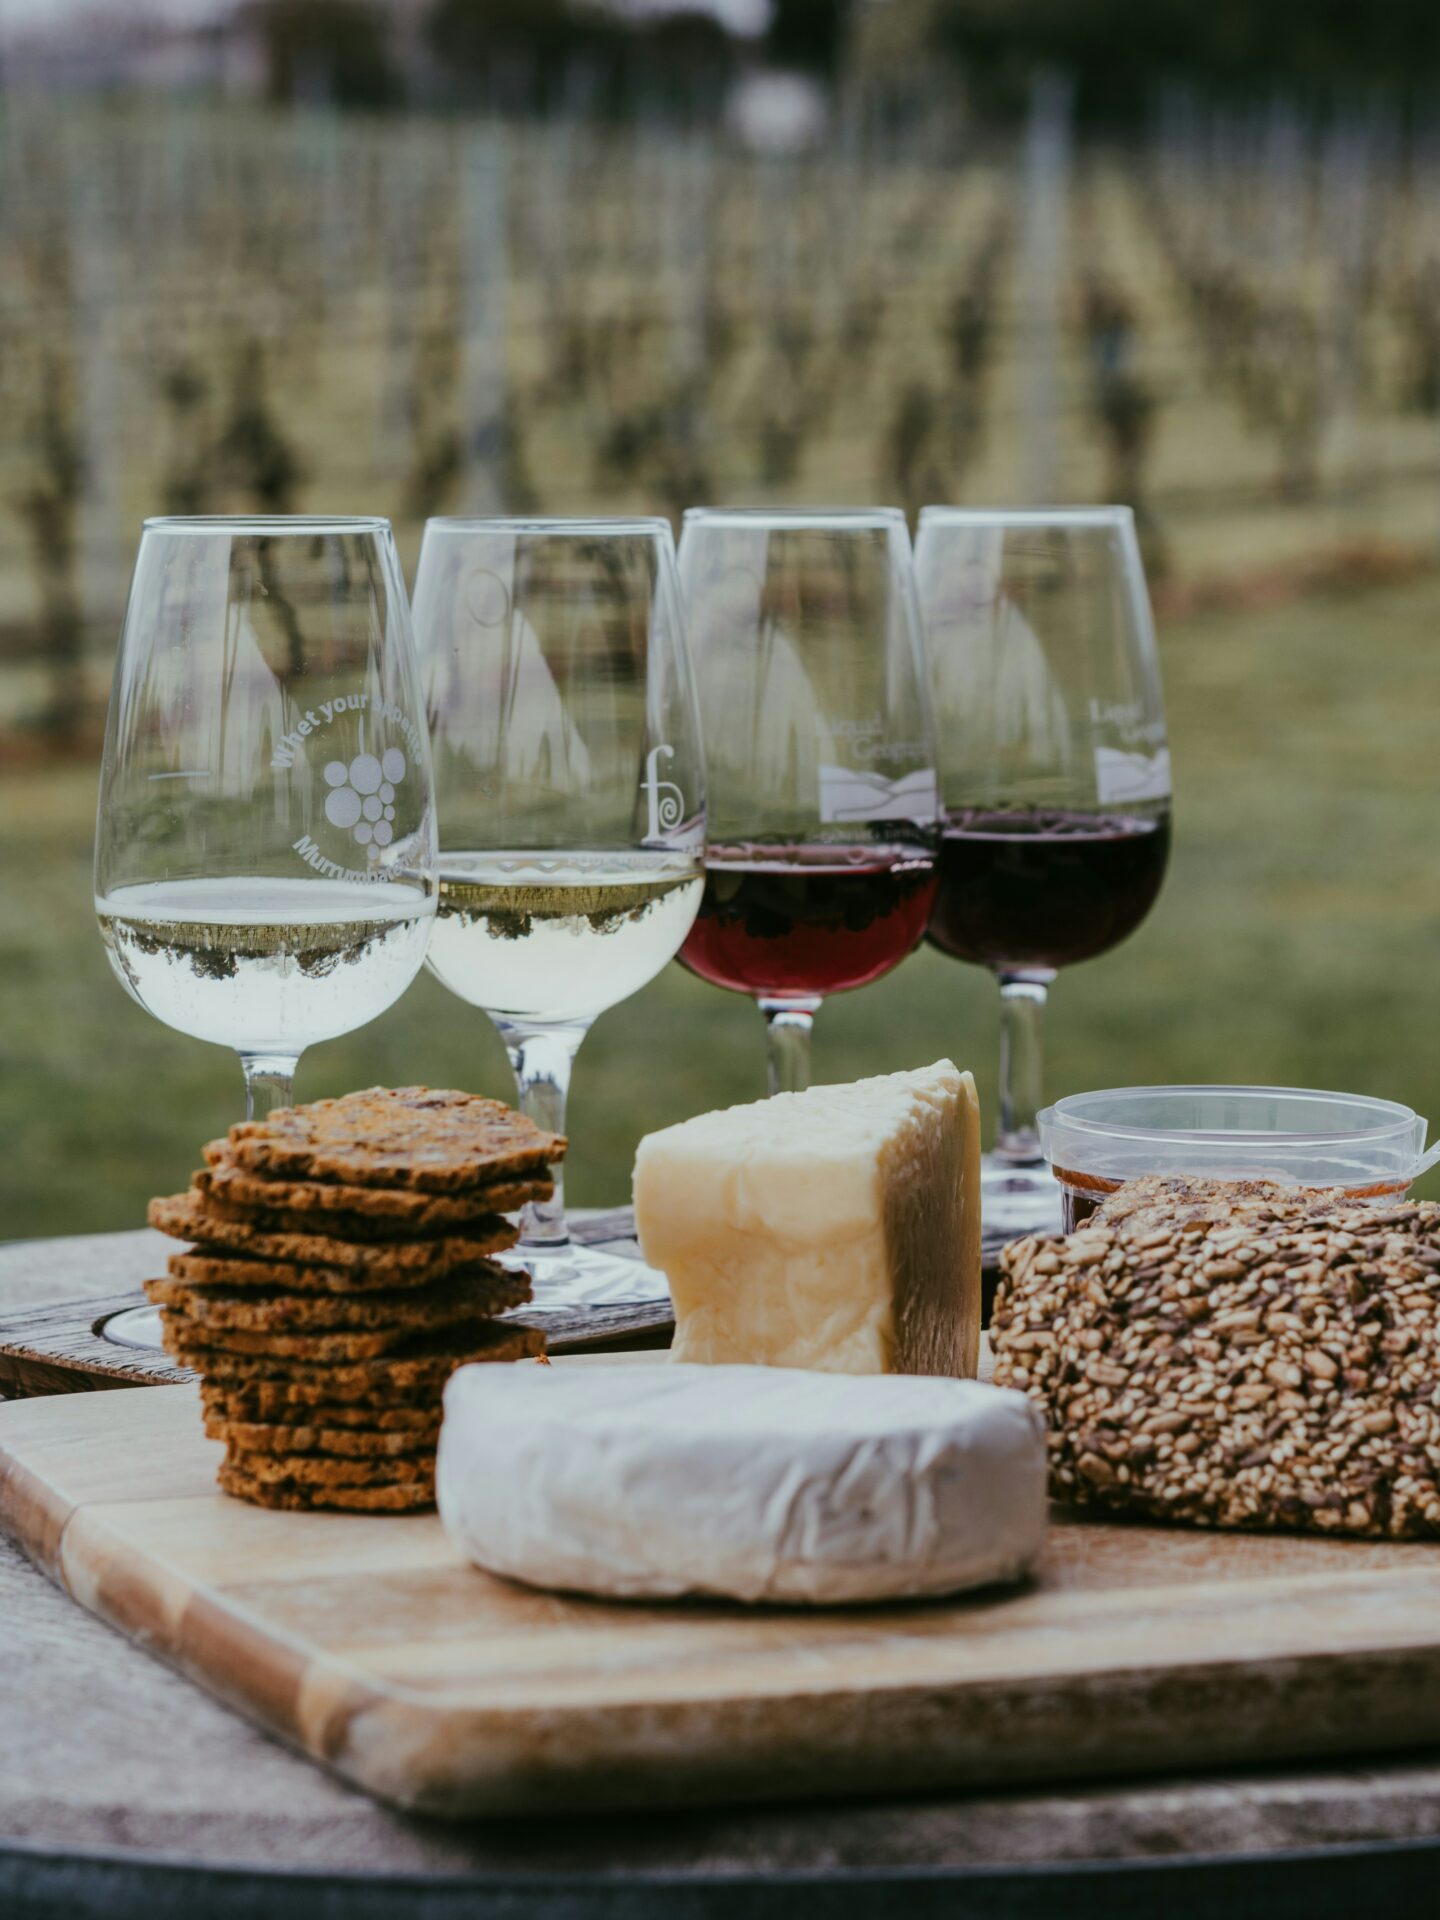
801 923
265 841
820 869
572 802
1054 771
1034 890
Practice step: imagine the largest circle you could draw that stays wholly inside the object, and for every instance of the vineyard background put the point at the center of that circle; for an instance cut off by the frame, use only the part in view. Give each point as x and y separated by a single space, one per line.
1235 325
1231 320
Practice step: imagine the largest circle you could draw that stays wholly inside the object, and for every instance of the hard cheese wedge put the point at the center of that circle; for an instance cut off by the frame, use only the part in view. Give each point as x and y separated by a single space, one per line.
837 1229
657 1481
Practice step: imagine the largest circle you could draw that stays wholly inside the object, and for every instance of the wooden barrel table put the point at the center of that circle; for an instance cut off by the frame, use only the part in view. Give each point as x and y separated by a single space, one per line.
125 1790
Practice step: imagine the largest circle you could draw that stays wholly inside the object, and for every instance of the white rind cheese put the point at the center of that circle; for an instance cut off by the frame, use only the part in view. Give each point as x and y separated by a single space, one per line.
837 1229
658 1481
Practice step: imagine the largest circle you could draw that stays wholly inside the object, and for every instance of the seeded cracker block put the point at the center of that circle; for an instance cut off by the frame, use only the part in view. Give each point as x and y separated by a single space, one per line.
1235 1355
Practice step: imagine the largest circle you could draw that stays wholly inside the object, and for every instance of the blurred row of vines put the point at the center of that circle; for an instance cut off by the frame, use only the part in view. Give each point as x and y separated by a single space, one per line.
1229 317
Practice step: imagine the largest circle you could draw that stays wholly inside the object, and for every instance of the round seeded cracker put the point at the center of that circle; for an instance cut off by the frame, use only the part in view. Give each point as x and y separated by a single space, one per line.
274 1403
250 1436
197 1346
465 1297
365 1214
433 1140
327 1470
211 1269
419 1372
402 1497
188 1216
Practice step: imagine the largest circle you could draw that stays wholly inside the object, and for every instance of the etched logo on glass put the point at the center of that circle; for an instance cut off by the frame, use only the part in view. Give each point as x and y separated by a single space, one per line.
849 793
361 799
363 791
665 803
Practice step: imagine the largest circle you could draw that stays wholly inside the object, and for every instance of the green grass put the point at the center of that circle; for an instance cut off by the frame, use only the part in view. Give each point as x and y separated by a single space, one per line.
1296 941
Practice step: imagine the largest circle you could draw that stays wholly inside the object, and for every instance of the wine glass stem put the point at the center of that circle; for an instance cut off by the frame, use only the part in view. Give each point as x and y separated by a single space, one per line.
269 1082
1022 1010
787 1043
542 1058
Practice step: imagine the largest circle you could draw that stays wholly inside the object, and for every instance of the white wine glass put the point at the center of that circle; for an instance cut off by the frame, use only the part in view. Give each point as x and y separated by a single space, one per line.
571 791
1055 774
265 841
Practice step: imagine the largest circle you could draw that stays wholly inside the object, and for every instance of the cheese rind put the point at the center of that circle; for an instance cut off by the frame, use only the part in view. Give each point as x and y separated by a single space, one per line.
837 1229
745 1482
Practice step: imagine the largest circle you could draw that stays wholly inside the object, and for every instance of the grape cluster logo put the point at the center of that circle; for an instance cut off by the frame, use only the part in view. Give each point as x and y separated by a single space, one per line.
361 792
361 800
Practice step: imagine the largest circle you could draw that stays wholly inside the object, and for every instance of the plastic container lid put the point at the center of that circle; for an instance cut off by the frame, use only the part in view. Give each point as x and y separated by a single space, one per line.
1288 1134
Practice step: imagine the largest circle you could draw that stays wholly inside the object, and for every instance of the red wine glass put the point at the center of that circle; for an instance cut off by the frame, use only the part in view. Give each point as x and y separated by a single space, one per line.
1054 773
820 871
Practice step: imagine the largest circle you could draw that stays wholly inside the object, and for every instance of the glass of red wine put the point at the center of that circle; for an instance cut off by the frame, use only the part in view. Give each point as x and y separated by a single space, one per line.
1054 772
824 807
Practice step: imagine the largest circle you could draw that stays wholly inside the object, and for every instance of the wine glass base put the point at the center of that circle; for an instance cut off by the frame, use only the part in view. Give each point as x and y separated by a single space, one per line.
135 1327
572 1276
1016 1200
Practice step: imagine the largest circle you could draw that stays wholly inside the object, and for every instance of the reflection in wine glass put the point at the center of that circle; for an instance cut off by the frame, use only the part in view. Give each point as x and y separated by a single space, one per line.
820 869
572 805
1055 774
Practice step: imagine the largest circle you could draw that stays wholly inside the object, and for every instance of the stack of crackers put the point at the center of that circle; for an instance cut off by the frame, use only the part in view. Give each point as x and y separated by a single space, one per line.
341 1269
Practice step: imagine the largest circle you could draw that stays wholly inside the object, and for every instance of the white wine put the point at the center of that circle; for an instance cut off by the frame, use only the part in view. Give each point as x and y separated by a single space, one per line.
560 937
266 966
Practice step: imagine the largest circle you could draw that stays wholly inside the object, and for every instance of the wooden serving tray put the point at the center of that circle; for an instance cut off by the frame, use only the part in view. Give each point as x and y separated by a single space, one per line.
367 1644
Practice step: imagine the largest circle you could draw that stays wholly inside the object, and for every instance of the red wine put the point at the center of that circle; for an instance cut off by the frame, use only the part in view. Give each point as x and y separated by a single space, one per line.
804 922
1033 889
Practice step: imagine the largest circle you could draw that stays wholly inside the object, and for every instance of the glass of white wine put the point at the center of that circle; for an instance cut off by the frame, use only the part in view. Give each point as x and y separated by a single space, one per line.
265 846
571 793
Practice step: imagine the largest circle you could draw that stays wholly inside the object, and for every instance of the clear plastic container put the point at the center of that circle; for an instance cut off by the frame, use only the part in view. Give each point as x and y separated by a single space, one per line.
1094 1142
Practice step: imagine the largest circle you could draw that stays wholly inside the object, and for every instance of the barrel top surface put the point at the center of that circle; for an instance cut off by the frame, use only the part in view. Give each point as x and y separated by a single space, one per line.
103 1749
57 1295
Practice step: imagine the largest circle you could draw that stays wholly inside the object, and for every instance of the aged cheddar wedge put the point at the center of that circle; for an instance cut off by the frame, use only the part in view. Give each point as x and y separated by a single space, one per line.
837 1229
656 1481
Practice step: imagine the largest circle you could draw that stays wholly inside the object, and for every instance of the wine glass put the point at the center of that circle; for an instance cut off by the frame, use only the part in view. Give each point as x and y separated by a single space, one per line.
571 792
1055 776
265 842
820 872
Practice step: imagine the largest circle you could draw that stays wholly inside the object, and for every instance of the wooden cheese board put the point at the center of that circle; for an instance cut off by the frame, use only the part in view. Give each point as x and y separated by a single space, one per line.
368 1645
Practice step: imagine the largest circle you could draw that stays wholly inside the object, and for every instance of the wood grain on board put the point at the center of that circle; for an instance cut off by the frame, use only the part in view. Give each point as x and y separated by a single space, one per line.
364 1642
56 1295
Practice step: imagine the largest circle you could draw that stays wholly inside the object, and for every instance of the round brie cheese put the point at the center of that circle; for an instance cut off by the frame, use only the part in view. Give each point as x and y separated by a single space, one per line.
754 1483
